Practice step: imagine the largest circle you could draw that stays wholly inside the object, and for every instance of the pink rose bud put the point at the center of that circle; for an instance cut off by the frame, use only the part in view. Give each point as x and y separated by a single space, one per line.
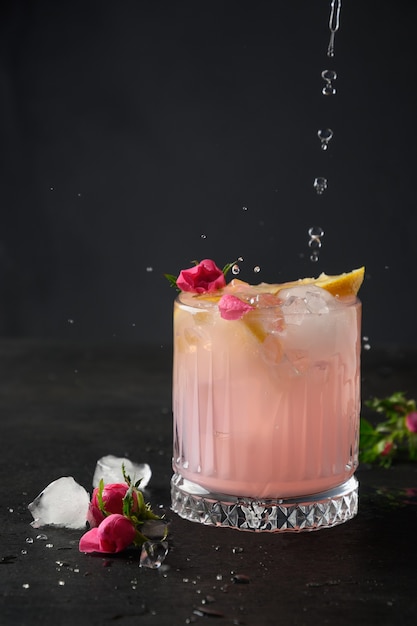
115 533
113 495
202 278
411 422
387 448
232 308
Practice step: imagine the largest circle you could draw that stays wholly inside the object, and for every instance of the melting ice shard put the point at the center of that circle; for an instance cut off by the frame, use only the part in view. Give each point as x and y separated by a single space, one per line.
62 503
153 554
109 468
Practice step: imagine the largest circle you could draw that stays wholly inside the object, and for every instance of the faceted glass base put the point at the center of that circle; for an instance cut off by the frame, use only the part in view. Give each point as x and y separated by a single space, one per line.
304 513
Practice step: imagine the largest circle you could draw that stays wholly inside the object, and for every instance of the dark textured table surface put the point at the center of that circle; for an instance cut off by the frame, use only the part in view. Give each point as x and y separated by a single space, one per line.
63 406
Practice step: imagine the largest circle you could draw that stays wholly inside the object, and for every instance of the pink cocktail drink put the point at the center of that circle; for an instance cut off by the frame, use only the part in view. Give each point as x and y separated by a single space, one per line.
266 406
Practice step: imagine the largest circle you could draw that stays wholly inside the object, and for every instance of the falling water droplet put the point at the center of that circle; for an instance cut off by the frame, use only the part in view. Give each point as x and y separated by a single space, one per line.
325 135
25 585
330 49
203 236
240 259
320 185
149 269
328 76
328 90
70 321
61 583
256 269
241 579
29 539
314 243
366 344
314 257
42 537
235 269
316 231
244 208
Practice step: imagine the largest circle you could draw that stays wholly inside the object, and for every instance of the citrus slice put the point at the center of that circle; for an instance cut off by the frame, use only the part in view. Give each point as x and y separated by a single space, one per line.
255 327
340 285
347 284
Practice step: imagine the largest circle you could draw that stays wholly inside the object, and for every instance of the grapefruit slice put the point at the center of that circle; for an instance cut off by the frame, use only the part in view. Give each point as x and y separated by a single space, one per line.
340 285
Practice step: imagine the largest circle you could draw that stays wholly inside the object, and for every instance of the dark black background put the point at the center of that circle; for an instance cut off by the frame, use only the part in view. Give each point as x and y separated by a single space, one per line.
129 129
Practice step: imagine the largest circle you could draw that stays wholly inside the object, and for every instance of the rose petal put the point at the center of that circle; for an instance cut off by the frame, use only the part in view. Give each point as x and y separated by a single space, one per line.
89 542
115 533
411 422
232 308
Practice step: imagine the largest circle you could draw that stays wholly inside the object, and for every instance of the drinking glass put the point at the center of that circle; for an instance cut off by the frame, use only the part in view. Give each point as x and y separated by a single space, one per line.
266 412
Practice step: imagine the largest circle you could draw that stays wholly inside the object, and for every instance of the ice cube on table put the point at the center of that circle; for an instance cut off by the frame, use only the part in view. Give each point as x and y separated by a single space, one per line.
62 503
109 468
153 554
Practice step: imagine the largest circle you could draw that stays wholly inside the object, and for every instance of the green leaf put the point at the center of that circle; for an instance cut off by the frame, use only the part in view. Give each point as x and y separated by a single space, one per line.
228 267
172 281
139 539
393 429
100 497
126 476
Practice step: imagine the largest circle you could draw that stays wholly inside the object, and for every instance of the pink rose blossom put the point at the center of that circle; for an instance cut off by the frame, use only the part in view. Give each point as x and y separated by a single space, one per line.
113 495
411 422
114 534
232 308
202 278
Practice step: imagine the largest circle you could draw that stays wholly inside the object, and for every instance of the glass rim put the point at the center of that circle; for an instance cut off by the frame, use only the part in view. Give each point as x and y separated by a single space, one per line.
210 301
